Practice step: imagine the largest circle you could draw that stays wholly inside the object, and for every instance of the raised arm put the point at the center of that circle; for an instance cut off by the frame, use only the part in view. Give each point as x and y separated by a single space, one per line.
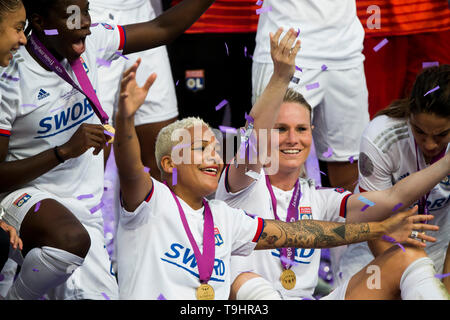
265 111
166 27
135 183
325 234
406 192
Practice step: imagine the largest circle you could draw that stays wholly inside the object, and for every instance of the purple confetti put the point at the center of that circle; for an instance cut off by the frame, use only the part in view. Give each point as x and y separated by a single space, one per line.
161 297
432 90
221 105
312 86
94 24
351 159
9 77
398 206
146 169
263 10
392 240
29 105
228 129
324 67
121 55
328 153
380 45
245 52
106 296
108 133
2 277
51 32
298 32
35 270
38 205
442 275
176 84
365 207
249 118
430 64
57 109
174 176
259 2
97 207
103 62
288 261
85 196
226 47
298 68
321 172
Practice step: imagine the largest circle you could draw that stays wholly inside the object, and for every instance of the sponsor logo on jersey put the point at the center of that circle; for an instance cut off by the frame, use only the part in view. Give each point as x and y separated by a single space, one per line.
184 259
42 94
218 237
64 120
22 200
300 255
195 80
107 26
437 204
339 190
445 183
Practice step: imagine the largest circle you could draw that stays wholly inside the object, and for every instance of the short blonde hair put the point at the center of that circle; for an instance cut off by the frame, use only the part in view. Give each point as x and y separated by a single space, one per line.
164 143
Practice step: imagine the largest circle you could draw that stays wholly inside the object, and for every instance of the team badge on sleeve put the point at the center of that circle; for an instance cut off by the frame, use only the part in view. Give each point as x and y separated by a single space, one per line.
107 26
339 190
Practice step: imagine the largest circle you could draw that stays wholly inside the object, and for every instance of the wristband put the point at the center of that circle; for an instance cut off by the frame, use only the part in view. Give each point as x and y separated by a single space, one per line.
61 160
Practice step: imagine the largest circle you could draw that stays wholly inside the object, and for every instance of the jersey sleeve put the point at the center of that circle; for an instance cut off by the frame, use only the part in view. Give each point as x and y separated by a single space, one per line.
110 40
331 204
374 168
8 109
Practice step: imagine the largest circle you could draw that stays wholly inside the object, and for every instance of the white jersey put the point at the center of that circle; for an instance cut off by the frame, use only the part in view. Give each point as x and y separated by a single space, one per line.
330 31
318 204
119 4
39 111
156 258
388 154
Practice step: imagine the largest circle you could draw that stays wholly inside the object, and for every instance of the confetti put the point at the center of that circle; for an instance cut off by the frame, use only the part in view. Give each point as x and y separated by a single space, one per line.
106 296
430 64
392 240
366 201
59 108
174 176
288 261
324 67
221 104
351 159
85 196
161 297
263 10
38 205
51 32
180 146
365 207
108 133
176 84
298 68
228 129
29 105
398 206
121 55
252 174
312 86
245 52
328 153
103 62
432 90
249 118
9 77
146 169
94 25
380 45
35 270
259 2
298 32
442 275
97 207
226 47
2 277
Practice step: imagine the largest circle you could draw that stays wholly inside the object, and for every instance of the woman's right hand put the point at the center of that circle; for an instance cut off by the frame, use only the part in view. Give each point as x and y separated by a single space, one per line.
87 136
14 239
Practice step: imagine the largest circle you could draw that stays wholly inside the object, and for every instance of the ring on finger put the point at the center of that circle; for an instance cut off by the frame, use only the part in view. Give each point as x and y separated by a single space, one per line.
414 234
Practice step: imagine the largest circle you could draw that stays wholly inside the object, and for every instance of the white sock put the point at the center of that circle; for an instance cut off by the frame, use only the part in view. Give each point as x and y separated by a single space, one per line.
419 283
257 289
42 269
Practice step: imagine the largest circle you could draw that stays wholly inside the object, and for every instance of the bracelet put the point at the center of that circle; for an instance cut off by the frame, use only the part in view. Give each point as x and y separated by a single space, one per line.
61 160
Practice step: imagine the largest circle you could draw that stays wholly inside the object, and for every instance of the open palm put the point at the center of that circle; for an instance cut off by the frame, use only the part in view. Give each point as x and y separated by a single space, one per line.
131 95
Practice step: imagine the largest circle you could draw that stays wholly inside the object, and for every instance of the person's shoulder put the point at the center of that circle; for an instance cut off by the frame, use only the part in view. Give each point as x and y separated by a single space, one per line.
383 127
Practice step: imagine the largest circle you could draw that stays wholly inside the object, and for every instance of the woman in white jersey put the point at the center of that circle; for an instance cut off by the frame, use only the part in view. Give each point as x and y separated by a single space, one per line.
174 244
406 137
287 196
12 23
51 187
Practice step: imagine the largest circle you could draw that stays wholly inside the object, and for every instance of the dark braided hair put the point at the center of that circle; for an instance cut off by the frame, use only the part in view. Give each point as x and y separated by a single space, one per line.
437 102
9 6
40 7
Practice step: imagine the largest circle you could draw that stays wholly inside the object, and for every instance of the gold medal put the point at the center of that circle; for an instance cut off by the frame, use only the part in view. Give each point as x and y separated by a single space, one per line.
110 128
205 292
288 279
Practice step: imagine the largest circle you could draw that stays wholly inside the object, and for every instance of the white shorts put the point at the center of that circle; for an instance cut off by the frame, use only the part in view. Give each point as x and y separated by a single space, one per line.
340 106
338 293
161 102
94 277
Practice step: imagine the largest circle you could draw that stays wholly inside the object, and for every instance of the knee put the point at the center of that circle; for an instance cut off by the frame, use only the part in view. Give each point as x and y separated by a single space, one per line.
74 239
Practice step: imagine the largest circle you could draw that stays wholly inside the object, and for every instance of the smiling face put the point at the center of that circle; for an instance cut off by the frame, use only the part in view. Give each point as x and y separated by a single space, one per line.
70 42
295 136
199 176
431 133
12 35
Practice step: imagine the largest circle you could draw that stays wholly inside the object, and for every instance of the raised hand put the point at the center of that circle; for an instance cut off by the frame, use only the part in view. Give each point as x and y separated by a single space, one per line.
401 226
131 95
284 52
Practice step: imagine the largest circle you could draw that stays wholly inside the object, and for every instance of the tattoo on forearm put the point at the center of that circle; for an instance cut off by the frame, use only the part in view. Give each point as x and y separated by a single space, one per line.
312 234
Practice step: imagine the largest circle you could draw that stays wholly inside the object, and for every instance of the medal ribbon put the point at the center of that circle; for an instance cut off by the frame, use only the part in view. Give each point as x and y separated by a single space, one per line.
292 215
205 261
53 64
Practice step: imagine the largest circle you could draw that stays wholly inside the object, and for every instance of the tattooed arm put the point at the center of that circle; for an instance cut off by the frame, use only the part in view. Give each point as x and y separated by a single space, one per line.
325 234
